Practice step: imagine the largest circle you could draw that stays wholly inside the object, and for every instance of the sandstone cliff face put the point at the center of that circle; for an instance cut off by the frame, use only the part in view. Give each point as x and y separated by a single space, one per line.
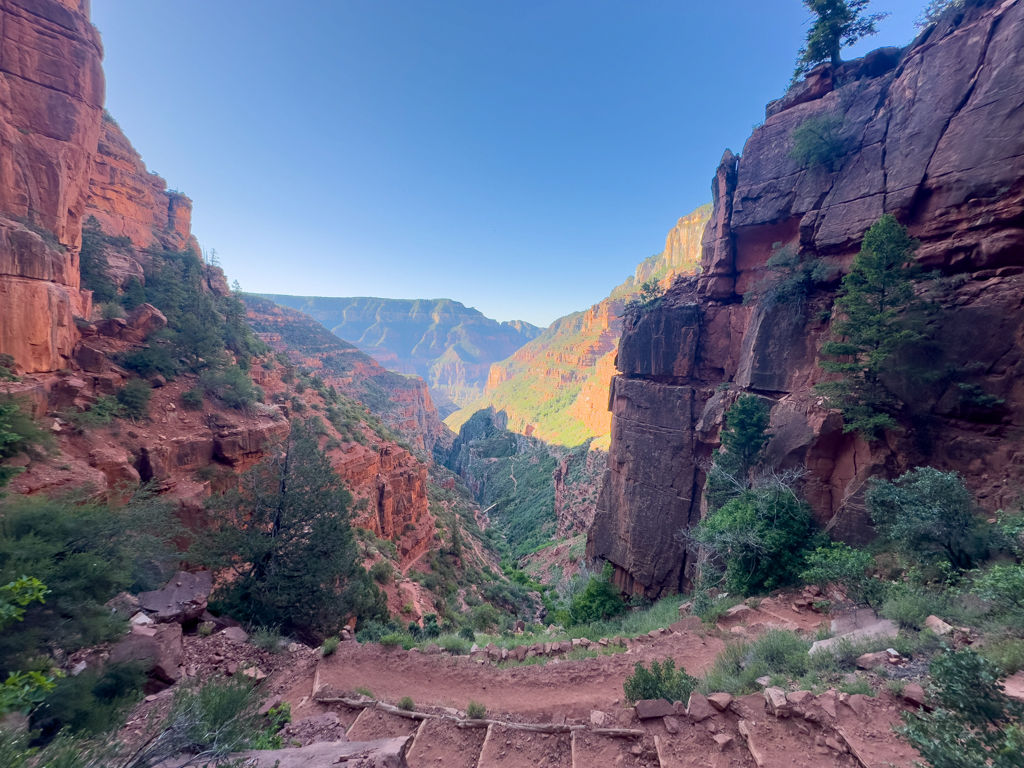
129 201
51 97
933 134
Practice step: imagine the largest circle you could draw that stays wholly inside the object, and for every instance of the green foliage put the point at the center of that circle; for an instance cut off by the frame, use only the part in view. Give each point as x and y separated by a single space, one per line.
646 299
1006 652
382 572
484 617
7 367
927 514
467 633
406 703
874 300
231 385
974 724
762 535
476 711
134 398
745 435
100 414
393 639
909 606
93 702
935 10
777 654
788 280
330 646
1002 585
192 399
600 600
267 639
111 311
16 595
837 25
284 532
85 553
661 681
156 358
818 142
840 564
18 434
92 261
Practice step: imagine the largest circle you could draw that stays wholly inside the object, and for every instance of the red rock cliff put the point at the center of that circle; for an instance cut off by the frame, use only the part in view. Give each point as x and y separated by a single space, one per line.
51 97
933 134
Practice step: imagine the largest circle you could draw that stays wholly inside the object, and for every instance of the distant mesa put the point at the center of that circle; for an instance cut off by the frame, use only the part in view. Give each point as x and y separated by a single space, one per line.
450 345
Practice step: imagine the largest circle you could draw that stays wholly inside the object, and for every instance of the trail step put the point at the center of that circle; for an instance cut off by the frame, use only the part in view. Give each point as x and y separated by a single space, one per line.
374 723
442 743
510 748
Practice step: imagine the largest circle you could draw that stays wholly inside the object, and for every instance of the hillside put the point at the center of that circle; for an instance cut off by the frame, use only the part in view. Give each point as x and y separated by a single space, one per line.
556 387
450 345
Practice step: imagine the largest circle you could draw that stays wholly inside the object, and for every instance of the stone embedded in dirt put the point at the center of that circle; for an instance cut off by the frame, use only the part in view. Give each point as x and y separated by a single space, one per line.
1013 686
520 626
269 704
937 625
144 630
161 653
800 698
598 718
739 630
685 608
775 702
183 599
913 694
520 652
671 724
140 619
872 660
432 649
654 633
827 701
834 744
646 709
740 611
603 642
763 680
314 729
231 668
255 673
689 624
235 634
720 701
698 708
723 741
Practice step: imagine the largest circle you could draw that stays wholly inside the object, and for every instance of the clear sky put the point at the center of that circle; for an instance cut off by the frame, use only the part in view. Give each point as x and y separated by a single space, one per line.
519 156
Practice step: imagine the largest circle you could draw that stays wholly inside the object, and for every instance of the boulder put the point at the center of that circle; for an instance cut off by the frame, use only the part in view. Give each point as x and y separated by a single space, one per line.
720 701
159 648
598 718
723 741
145 319
90 358
776 703
856 627
647 709
913 694
123 603
937 625
112 327
1013 686
872 660
235 635
671 724
183 599
698 708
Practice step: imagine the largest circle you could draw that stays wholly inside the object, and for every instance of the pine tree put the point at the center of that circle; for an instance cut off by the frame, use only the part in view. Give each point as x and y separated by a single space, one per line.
285 534
873 301
746 433
837 24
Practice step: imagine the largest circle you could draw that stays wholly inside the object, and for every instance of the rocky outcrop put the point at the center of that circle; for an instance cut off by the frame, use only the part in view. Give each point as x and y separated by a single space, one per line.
130 201
933 134
450 345
51 97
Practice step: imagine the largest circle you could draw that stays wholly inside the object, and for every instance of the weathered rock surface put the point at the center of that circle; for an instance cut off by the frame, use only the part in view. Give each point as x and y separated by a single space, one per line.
182 599
934 135
383 753
159 648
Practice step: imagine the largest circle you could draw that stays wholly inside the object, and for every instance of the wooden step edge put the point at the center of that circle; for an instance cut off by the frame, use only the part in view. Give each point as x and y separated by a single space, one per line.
483 747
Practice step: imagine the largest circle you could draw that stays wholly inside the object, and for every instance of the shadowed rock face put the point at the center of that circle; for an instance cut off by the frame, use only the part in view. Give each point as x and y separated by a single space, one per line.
933 134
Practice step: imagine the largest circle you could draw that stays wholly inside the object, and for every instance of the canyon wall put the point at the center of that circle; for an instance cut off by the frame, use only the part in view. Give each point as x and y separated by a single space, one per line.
51 99
933 134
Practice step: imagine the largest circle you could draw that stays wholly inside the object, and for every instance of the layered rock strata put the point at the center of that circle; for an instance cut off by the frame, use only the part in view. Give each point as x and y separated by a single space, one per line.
933 134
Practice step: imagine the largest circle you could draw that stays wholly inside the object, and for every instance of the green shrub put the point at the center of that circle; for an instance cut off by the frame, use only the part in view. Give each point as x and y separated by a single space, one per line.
1005 652
973 723
485 617
818 142
406 703
100 414
777 654
192 399
330 646
927 514
93 702
382 572
476 711
266 639
661 681
1002 585
600 600
18 434
844 566
111 311
909 606
393 639
231 386
466 632
364 692
154 359
134 398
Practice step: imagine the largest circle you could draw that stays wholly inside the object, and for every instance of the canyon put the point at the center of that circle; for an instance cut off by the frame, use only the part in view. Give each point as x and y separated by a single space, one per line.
907 117
449 345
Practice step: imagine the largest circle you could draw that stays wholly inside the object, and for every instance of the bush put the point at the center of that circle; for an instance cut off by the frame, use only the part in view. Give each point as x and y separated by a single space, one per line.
467 633
100 414
1003 586
909 606
329 647
600 600
1005 652
133 398
927 514
192 399
844 566
485 617
18 434
476 711
91 703
112 311
406 703
974 723
817 141
231 386
266 639
154 359
393 639
382 572
661 681
777 654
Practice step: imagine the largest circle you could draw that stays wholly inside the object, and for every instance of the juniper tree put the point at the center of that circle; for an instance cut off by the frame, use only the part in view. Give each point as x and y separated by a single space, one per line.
285 534
873 303
837 24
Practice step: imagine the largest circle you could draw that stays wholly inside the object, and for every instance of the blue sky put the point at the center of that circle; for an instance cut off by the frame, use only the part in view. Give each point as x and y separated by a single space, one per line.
517 156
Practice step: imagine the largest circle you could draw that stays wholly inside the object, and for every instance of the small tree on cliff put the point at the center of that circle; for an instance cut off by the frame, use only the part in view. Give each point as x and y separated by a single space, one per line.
837 24
285 534
744 437
873 301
